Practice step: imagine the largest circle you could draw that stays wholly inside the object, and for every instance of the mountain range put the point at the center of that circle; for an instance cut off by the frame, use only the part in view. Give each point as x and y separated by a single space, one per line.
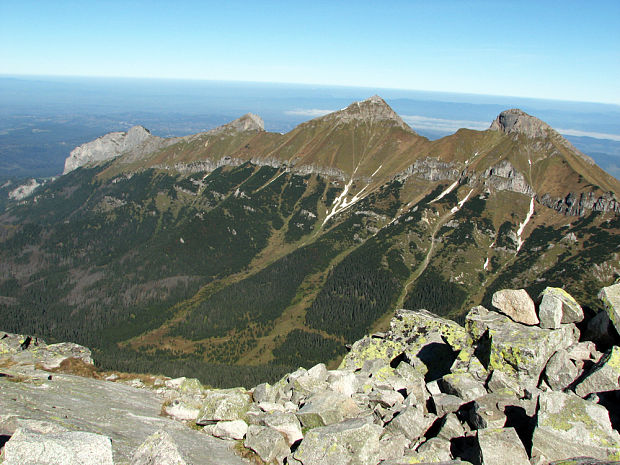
239 253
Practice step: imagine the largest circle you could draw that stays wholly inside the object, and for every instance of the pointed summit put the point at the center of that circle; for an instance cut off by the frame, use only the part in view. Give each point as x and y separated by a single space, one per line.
373 109
247 122
517 121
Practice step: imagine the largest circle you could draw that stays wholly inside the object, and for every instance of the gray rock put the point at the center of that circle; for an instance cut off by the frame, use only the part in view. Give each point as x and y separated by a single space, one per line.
182 410
412 422
451 428
550 312
263 393
343 382
568 426
554 297
286 424
560 371
446 403
158 449
462 385
235 429
91 405
225 404
488 411
325 408
267 443
501 446
517 304
28 447
350 442
611 300
599 329
604 376
434 450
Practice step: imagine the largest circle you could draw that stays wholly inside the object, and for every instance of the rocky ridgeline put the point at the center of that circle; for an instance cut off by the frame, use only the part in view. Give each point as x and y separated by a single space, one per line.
519 384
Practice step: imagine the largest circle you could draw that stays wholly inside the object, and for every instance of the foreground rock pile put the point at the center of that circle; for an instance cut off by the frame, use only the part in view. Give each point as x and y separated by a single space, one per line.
515 385
520 384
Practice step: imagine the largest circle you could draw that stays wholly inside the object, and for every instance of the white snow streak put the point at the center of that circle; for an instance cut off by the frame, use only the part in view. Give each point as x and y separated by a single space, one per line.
486 264
461 203
446 192
525 222
376 171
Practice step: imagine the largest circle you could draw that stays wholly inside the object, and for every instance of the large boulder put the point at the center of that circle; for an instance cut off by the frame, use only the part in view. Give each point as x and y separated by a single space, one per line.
517 304
519 351
611 300
560 371
554 301
351 442
235 429
501 446
462 385
568 426
267 443
27 447
225 404
604 376
325 408
286 424
158 449
412 422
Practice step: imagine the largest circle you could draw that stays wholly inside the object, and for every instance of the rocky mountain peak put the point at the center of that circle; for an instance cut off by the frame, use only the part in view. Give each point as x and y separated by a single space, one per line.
517 121
247 122
372 109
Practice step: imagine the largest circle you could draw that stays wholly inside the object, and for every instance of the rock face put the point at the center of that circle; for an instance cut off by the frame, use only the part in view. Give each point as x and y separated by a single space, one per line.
106 147
371 110
248 122
515 121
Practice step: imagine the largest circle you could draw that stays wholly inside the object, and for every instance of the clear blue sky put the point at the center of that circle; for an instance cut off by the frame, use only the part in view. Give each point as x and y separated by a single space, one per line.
567 50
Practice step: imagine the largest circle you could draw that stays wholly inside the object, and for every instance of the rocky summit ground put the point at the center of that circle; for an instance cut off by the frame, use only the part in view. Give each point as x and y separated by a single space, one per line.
524 383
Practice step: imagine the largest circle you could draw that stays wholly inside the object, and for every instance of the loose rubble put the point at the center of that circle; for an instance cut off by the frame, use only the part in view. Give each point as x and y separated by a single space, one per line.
503 389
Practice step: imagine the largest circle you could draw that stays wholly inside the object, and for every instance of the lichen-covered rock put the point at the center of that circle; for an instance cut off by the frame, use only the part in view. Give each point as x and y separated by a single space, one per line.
412 422
462 385
325 408
554 299
520 352
604 376
158 449
568 426
611 300
517 304
371 349
408 323
351 442
235 429
27 447
225 404
501 446
560 371
267 443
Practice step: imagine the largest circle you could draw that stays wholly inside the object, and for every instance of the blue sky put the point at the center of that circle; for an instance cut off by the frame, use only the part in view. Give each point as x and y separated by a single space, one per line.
566 50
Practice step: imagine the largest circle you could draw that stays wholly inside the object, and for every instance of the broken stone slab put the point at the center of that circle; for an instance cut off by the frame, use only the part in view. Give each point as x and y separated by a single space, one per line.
520 352
344 382
224 404
446 403
235 429
516 304
584 351
368 349
451 427
467 362
462 385
387 398
604 376
434 450
568 426
267 443
325 408
560 371
286 424
158 449
412 422
556 300
611 300
350 442
501 446
488 411
28 447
